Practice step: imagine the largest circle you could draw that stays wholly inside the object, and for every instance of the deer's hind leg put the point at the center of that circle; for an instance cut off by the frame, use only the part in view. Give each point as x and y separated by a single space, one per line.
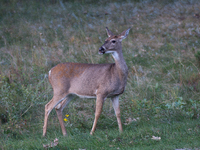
59 108
48 108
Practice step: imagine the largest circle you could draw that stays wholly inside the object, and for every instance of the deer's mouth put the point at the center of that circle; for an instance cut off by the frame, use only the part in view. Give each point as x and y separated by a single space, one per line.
101 52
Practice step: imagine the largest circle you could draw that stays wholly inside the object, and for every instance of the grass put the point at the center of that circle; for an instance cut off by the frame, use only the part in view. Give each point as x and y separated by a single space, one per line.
162 53
174 134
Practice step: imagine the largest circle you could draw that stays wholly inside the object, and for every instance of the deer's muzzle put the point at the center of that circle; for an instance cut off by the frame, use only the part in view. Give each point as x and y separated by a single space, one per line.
101 50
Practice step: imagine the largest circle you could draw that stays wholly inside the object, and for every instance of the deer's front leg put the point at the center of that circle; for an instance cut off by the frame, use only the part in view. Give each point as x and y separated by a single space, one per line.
99 105
115 102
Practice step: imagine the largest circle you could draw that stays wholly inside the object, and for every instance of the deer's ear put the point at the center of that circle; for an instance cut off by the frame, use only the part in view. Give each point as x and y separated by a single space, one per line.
109 33
124 34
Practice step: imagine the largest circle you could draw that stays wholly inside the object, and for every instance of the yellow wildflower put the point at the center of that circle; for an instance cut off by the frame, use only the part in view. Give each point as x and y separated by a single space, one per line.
67 115
65 119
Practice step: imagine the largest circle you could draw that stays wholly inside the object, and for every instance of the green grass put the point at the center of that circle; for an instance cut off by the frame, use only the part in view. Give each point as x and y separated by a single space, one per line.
137 135
162 53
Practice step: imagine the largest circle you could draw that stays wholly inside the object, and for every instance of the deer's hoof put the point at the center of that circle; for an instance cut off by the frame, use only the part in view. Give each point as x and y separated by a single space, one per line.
91 133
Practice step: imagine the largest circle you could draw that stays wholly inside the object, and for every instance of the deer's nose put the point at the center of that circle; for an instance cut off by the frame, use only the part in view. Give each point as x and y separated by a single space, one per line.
101 50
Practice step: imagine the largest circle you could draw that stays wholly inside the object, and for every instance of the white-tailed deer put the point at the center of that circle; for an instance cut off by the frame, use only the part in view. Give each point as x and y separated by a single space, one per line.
98 81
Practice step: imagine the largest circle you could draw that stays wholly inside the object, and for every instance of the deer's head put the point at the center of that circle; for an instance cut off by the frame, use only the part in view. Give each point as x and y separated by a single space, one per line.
113 42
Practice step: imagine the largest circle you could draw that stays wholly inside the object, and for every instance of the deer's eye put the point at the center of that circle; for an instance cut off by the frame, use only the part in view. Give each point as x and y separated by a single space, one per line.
113 41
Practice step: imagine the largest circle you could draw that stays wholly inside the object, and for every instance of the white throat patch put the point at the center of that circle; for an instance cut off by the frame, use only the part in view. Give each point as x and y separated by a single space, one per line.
115 55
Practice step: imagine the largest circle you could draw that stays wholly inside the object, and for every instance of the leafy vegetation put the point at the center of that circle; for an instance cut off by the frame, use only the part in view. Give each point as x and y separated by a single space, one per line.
162 52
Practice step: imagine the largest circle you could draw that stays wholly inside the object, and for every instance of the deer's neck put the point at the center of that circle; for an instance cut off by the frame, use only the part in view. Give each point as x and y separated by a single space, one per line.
120 65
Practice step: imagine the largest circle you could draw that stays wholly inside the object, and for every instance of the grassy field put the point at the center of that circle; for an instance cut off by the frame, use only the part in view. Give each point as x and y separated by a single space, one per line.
160 107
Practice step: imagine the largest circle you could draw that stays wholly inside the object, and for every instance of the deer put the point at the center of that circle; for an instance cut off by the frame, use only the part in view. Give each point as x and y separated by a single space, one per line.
98 81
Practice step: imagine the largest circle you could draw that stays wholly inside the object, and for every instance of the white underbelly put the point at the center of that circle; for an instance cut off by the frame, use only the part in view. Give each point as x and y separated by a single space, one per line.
84 96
